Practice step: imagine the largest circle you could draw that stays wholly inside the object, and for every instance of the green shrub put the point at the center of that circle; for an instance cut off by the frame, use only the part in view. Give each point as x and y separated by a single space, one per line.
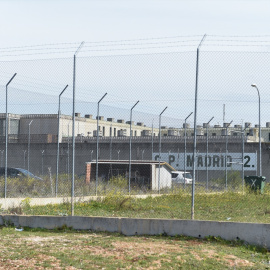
234 181
117 199
119 181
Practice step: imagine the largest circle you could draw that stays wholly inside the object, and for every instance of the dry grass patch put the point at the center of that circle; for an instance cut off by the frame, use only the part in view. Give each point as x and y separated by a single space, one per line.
235 261
85 250
33 263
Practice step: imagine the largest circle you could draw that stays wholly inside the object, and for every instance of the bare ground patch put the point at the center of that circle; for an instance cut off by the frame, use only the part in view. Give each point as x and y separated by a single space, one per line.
235 261
132 252
33 263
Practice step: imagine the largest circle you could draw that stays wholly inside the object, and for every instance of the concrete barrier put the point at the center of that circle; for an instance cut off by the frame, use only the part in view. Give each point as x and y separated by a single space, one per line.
252 233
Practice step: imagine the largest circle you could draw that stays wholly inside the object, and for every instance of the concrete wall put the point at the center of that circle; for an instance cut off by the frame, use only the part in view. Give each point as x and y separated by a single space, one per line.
17 153
252 233
165 177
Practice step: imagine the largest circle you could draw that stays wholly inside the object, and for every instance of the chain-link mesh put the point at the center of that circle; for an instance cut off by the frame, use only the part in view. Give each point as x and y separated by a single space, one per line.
137 159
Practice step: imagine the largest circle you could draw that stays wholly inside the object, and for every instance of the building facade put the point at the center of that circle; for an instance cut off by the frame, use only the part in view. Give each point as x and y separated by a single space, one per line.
43 128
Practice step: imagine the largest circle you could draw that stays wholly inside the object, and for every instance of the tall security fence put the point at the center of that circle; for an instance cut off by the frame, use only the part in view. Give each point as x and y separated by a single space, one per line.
162 128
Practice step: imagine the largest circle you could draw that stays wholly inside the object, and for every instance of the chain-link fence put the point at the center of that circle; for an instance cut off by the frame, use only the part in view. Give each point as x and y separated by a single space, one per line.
112 134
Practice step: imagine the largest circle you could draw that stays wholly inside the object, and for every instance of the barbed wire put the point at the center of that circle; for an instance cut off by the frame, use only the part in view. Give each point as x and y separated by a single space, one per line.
65 48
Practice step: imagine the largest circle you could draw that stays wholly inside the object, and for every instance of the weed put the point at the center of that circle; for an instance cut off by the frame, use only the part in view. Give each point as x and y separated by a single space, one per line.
117 200
8 223
25 204
63 228
236 243
118 181
16 210
234 181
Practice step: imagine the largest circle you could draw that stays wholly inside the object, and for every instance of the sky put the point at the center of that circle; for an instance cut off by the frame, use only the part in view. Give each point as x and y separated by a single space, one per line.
29 22
238 30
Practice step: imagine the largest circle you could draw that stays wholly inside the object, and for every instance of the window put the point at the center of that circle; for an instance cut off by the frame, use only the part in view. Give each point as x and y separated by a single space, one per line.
214 134
187 175
14 126
2 127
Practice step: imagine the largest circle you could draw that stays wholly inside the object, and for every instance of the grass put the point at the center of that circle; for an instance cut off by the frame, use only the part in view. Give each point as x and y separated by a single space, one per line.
215 204
219 206
64 248
29 187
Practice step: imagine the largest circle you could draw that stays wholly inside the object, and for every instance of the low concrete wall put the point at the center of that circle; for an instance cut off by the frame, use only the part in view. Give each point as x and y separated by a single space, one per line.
16 202
252 233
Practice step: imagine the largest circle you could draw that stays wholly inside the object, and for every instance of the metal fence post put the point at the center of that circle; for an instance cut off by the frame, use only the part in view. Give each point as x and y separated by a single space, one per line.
6 132
159 156
226 155
73 129
260 141
243 155
98 141
58 141
28 156
185 150
130 133
207 152
195 129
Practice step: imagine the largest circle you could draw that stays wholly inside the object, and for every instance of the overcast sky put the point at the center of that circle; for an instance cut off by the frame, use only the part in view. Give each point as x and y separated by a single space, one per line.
32 22
29 22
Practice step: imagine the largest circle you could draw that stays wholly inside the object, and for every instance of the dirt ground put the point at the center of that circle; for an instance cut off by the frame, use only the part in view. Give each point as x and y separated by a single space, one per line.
102 251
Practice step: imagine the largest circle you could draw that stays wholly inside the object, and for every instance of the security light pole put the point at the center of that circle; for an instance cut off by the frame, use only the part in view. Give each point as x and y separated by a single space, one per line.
6 131
58 141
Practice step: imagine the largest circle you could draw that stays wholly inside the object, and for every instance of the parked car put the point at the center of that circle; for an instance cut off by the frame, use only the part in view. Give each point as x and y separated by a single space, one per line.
18 173
178 177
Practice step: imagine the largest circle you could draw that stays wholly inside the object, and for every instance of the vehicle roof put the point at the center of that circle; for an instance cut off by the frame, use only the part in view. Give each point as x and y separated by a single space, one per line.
180 172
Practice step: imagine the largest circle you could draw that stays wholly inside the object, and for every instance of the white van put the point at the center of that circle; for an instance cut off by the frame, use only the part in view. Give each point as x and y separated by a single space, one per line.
178 177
